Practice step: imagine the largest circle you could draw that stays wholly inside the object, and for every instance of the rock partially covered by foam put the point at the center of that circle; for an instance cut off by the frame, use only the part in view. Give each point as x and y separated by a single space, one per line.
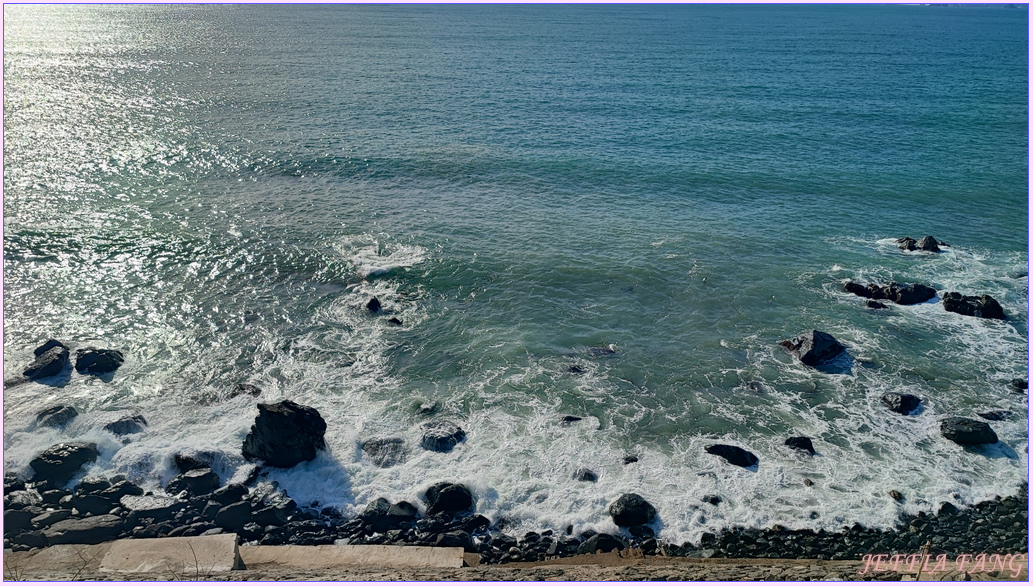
899 293
441 436
983 306
56 416
285 434
814 347
60 462
386 451
901 403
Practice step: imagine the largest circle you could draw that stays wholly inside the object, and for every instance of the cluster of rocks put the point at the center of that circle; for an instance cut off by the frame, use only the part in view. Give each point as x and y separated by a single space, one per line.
926 243
815 348
52 358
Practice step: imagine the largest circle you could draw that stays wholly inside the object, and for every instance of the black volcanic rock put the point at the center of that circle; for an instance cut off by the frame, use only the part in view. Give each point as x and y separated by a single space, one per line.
373 305
801 443
446 497
285 434
97 361
127 425
49 362
984 306
967 432
901 403
385 452
56 416
630 510
734 455
441 436
901 294
59 463
814 347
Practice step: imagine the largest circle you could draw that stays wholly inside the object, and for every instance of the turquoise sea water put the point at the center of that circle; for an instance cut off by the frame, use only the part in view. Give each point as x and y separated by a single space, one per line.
218 190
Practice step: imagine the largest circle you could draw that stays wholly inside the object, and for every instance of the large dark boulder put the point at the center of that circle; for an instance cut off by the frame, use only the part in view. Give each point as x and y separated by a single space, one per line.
285 434
734 455
381 516
195 482
127 425
601 542
446 497
193 460
814 347
373 305
456 539
386 451
630 510
60 462
234 517
56 416
901 403
90 531
18 520
47 346
48 363
901 294
984 306
12 483
229 494
97 361
967 432
441 436
928 243
801 443
585 475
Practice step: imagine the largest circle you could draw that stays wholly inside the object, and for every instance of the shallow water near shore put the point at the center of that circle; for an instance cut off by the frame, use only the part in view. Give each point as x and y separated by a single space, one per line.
217 191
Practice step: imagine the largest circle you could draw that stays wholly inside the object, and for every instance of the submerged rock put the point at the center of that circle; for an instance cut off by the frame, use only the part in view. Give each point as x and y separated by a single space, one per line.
244 389
285 434
901 403
967 432
97 361
60 462
813 348
631 510
984 306
127 425
801 443
568 419
995 415
870 304
901 294
1018 385
585 475
441 436
603 350
386 451
373 305
56 416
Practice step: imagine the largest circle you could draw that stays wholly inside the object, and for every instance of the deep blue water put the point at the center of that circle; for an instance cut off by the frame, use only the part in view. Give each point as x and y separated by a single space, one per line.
218 190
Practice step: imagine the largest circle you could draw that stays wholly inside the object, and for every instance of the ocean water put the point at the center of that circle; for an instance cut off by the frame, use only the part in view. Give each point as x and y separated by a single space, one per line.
218 190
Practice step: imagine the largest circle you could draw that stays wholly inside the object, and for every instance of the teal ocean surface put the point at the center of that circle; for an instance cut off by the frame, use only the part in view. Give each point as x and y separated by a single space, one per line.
217 191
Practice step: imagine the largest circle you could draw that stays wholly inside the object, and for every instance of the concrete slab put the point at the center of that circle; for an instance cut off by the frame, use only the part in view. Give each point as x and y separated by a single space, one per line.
68 557
329 556
183 557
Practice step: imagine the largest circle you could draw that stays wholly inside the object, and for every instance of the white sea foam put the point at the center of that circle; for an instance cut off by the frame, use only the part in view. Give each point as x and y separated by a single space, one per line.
376 255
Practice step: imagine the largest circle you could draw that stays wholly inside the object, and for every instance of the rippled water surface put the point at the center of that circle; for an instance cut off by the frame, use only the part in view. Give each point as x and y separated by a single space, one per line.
218 190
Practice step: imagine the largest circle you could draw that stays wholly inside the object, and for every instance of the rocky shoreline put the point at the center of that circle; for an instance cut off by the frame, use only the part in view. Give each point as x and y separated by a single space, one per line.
100 510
